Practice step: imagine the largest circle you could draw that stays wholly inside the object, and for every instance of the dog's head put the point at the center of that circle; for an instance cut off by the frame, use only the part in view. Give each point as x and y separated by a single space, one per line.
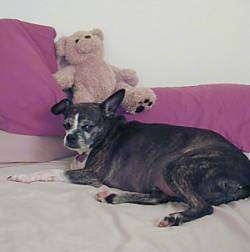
87 123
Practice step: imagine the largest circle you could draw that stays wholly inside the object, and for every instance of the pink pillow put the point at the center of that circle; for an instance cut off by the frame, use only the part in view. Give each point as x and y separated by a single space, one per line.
27 89
224 108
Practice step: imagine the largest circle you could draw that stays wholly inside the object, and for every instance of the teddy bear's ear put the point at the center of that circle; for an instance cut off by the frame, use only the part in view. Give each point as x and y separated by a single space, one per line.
60 46
98 32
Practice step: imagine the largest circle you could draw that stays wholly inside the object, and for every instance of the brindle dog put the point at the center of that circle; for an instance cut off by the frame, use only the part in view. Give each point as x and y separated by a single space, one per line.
155 162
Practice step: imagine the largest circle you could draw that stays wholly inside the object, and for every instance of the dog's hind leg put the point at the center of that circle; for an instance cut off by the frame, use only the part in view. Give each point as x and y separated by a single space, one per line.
135 198
179 180
223 190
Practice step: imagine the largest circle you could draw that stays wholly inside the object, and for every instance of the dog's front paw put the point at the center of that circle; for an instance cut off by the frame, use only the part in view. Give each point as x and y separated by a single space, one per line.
55 175
105 197
174 219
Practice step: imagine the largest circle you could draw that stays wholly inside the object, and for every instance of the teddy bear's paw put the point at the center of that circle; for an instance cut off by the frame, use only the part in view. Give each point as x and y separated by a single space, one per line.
144 105
139 99
63 80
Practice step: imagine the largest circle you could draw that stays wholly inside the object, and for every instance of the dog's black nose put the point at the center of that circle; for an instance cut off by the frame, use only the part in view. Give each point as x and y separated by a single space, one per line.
87 36
71 139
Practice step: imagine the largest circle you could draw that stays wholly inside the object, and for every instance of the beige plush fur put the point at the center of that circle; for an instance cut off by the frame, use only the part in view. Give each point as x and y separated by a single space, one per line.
92 78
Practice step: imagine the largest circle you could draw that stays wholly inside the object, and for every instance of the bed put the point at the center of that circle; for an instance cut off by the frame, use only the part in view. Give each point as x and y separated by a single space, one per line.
57 217
61 217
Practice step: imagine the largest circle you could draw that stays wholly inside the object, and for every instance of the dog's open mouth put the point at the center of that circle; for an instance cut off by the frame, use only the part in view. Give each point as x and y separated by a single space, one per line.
81 157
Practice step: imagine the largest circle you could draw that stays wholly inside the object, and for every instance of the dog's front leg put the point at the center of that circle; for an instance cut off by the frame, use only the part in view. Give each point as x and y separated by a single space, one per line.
84 177
57 175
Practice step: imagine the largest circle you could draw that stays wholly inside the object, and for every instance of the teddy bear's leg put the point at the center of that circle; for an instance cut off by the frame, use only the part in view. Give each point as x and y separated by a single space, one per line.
137 99
81 94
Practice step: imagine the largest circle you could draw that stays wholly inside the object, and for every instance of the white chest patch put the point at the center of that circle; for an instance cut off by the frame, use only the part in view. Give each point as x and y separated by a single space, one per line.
76 164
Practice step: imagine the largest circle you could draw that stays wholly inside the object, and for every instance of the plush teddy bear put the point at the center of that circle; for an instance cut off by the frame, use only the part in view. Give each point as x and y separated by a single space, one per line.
92 78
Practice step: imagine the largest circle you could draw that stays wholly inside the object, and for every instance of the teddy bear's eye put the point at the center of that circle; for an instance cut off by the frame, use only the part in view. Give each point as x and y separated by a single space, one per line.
77 40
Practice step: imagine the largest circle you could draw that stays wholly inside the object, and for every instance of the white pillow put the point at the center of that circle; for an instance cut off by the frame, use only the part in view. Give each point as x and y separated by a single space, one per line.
24 148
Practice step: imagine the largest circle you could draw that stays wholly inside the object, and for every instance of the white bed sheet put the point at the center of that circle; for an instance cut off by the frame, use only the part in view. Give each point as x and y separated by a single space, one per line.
61 217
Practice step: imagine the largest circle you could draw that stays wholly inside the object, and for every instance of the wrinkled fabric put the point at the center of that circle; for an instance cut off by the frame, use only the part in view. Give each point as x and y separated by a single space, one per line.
61 217
27 88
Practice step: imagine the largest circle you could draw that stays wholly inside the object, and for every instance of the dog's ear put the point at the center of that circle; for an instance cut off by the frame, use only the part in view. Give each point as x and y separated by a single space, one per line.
61 107
111 104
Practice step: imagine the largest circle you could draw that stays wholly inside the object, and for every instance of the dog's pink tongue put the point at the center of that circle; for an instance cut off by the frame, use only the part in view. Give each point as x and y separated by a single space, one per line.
81 157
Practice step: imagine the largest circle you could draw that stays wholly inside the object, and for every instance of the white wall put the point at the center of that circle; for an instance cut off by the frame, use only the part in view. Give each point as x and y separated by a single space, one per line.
168 42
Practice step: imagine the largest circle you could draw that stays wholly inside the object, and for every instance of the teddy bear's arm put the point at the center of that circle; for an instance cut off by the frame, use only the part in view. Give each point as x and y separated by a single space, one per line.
65 76
122 85
125 75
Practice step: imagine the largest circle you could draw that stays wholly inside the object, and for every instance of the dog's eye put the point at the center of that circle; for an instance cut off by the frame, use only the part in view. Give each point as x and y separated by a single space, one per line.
67 126
87 127
77 40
